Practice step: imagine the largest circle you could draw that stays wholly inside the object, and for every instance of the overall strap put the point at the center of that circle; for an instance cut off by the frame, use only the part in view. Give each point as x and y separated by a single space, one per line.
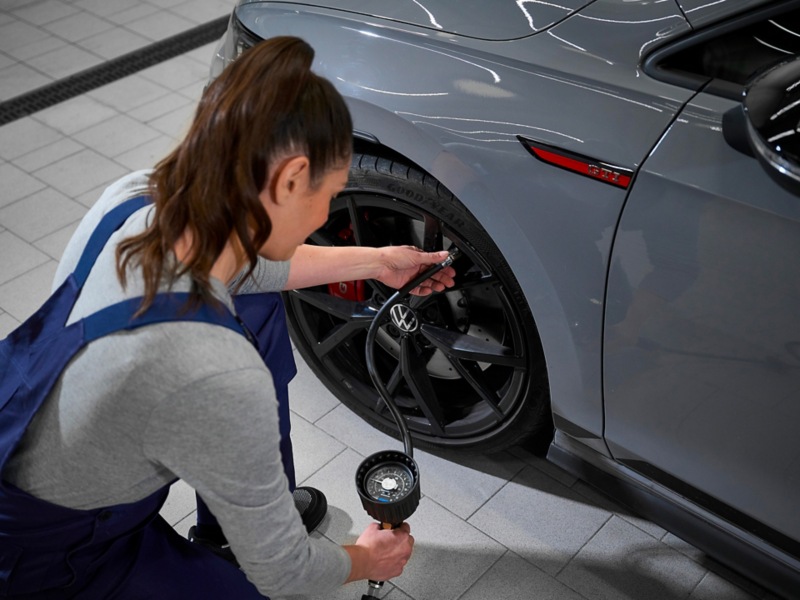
112 221
165 307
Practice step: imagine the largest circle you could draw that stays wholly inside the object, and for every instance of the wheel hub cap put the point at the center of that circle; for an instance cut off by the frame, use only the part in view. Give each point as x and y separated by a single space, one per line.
404 318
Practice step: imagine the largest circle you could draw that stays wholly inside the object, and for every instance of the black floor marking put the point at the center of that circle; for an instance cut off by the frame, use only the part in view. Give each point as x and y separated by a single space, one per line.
95 77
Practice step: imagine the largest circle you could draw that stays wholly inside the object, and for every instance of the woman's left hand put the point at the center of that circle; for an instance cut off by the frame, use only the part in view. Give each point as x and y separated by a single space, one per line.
400 264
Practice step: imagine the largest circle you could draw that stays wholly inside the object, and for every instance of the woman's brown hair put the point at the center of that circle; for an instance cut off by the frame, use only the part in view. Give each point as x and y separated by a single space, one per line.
265 106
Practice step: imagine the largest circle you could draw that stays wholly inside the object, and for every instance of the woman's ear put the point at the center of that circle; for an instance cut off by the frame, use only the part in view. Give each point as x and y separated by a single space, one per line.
290 179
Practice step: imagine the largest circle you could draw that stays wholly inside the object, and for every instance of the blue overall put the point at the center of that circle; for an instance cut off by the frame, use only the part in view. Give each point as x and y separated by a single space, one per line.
126 551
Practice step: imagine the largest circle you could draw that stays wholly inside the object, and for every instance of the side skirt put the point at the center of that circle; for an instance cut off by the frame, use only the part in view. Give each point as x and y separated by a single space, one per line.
741 551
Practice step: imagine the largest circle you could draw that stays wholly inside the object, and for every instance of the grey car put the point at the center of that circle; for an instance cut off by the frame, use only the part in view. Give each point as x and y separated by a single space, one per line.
629 270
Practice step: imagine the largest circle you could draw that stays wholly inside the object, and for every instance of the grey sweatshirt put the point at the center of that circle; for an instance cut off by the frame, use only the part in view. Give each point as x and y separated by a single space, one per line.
135 410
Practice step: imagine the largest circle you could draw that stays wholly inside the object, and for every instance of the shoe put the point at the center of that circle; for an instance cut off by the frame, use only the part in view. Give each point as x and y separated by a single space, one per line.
223 550
312 506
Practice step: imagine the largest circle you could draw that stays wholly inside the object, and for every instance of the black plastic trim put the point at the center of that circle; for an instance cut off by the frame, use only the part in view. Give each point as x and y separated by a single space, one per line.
693 528
727 512
651 65
570 428
109 71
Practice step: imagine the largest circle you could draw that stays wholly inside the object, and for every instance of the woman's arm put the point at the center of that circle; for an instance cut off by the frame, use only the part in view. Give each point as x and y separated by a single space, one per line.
392 265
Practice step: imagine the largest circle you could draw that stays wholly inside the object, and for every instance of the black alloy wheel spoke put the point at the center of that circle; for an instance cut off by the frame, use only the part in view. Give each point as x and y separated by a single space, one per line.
432 235
470 282
466 347
357 316
361 231
391 387
473 375
416 375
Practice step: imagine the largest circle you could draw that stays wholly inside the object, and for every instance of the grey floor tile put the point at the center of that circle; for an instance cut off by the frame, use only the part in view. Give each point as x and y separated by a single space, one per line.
202 11
148 154
23 136
176 123
308 397
622 561
6 61
106 8
685 548
159 25
132 13
80 172
345 425
19 257
17 34
540 519
7 325
16 184
40 214
160 107
41 13
166 3
27 51
397 594
55 243
203 54
182 526
47 155
78 27
312 448
194 91
180 503
75 115
449 555
604 501
512 578
116 135
129 93
23 296
714 587
19 79
6 18
64 62
464 486
544 465
114 42
176 73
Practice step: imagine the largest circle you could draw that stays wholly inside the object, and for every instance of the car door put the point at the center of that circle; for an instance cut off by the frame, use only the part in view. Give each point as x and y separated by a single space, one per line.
702 327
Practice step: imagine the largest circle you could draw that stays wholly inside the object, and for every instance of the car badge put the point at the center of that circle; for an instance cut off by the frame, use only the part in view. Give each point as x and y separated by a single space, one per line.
404 318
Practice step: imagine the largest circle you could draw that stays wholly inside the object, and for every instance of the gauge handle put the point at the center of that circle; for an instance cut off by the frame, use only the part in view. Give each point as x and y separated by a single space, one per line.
373 332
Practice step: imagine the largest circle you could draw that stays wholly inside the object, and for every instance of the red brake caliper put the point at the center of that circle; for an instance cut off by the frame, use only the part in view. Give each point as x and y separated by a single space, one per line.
349 290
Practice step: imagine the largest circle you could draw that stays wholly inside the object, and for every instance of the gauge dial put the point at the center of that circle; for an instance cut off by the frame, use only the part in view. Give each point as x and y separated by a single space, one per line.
389 482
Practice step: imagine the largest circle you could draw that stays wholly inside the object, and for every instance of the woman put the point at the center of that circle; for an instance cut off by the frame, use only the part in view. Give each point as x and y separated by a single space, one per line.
99 413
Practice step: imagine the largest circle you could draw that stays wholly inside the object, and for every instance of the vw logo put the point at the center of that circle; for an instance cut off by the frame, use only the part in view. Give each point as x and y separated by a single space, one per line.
404 318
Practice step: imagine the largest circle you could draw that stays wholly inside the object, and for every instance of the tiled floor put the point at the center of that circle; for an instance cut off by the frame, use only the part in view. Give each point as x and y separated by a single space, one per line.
490 527
45 40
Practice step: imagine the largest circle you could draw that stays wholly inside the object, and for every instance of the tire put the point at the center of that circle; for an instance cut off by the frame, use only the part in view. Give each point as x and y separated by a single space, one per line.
452 405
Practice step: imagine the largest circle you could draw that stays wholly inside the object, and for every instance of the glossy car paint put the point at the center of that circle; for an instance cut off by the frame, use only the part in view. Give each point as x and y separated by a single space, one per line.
454 105
703 12
702 363
496 20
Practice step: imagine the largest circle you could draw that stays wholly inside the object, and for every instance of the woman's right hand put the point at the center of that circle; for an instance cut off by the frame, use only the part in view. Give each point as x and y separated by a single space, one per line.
380 554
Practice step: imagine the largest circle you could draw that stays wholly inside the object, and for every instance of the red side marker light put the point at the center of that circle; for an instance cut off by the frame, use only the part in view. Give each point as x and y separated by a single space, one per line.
583 165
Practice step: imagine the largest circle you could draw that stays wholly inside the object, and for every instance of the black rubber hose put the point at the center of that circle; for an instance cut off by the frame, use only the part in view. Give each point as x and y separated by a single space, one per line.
373 332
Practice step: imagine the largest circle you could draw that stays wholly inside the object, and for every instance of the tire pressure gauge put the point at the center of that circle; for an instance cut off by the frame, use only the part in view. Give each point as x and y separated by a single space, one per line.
388 484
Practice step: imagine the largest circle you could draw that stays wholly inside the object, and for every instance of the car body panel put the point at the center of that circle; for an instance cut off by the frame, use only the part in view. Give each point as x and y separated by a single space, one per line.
701 13
496 20
702 363
554 228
